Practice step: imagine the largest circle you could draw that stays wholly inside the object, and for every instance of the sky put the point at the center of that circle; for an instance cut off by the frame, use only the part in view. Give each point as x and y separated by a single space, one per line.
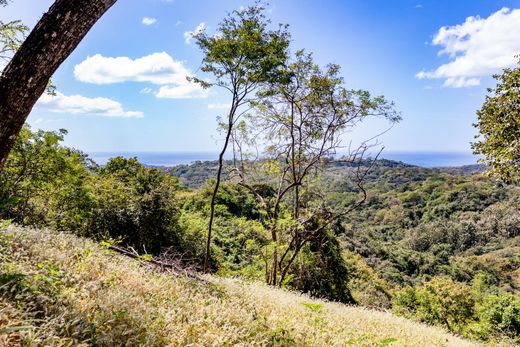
124 89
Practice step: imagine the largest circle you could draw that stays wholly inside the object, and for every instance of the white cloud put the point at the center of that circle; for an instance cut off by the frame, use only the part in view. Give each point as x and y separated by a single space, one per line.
178 23
149 21
461 82
156 68
188 35
476 48
78 104
219 106
418 6
145 90
185 91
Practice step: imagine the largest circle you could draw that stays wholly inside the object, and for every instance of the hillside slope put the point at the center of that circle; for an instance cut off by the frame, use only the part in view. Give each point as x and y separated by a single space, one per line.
71 291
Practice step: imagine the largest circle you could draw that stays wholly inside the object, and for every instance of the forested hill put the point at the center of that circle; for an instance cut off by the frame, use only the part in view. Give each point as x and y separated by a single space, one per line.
195 174
417 222
440 246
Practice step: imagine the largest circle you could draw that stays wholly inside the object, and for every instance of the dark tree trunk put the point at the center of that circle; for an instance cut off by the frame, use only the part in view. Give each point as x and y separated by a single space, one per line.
231 118
51 41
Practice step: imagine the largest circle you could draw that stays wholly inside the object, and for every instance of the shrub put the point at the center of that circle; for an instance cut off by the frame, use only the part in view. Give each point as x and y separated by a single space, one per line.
440 301
500 314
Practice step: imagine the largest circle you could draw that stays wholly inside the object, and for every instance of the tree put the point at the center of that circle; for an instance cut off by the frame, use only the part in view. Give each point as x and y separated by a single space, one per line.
27 75
499 127
243 55
300 122
43 183
136 204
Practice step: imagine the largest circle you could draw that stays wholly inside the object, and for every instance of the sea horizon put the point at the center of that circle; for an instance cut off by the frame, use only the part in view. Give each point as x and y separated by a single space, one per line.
428 159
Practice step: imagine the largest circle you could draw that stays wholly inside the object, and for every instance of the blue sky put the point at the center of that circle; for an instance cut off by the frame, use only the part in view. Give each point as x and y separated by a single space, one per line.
437 77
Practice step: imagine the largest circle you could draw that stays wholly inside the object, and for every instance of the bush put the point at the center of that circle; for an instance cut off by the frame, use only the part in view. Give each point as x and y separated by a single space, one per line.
500 314
322 271
440 301
43 183
135 204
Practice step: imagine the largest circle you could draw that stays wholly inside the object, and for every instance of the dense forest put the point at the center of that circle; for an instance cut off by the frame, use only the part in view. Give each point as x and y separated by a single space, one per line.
437 245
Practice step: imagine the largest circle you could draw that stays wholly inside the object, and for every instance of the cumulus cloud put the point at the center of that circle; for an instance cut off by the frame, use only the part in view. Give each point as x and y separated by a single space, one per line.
81 105
149 21
157 68
219 106
188 35
476 48
185 91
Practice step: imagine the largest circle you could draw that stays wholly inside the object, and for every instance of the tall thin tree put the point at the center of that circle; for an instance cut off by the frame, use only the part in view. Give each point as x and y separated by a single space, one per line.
242 56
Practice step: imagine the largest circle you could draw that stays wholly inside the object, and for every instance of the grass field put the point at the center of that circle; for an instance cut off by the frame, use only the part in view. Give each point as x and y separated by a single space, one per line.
61 290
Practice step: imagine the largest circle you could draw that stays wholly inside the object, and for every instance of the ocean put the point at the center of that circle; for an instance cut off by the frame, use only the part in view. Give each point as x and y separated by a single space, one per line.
424 159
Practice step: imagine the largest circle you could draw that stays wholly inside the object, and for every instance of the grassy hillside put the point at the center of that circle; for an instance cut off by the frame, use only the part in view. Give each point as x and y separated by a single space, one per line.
67 290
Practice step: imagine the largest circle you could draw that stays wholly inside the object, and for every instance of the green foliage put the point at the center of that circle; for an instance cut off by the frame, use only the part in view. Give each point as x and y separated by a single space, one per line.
499 126
244 52
42 183
321 270
12 35
440 301
136 204
45 184
500 314
473 312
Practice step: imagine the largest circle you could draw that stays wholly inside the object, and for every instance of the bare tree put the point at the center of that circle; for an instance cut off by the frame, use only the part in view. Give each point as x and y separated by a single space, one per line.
300 123
27 75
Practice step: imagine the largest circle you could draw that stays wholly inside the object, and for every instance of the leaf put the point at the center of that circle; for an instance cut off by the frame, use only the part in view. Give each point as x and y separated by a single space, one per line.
13 329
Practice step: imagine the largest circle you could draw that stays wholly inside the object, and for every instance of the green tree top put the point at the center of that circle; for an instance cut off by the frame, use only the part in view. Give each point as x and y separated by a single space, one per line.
244 52
499 127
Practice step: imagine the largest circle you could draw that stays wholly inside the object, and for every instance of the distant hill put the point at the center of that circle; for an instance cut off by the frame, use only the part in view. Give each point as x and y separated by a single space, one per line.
195 174
465 169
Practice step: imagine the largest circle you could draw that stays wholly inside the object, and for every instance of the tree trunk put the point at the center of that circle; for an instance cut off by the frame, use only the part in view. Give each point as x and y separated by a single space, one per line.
274 273
229 129
51 41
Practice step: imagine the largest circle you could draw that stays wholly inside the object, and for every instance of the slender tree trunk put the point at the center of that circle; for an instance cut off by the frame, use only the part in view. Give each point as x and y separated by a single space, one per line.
217 185
274 269
283 273
51 41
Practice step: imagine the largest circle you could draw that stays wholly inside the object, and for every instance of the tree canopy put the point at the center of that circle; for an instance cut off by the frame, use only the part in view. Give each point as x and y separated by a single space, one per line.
499 127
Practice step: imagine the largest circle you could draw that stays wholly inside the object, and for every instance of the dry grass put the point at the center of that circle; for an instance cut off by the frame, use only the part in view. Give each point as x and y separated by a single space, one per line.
75 292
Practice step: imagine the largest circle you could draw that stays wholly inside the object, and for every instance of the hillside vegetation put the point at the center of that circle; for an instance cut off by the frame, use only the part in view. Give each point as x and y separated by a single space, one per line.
60 290
437 246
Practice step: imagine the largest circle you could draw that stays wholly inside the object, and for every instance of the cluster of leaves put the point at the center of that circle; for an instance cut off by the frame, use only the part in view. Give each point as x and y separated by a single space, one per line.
11 35
499 126
472 311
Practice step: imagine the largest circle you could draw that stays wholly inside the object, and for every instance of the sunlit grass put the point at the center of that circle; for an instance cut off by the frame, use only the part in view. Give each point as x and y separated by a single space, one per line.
73 291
